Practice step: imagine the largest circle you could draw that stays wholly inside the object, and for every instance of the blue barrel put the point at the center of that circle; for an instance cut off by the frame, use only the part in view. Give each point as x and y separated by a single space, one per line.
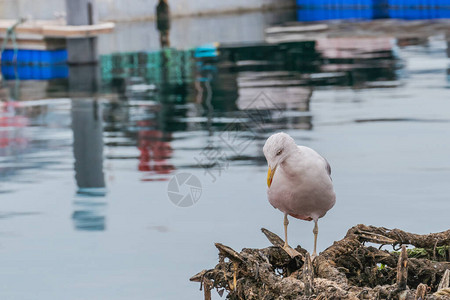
369 3
25 72
34 57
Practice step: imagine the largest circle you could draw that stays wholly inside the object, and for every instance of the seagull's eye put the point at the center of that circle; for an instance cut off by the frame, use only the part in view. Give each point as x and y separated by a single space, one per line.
279 152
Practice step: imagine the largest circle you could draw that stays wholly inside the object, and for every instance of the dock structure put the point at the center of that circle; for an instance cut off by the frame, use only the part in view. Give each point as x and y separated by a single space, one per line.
37 42
45 42
50 34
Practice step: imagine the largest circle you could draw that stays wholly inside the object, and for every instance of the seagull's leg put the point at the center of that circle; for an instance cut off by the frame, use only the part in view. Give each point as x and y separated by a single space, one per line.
286 223
292 252
316 232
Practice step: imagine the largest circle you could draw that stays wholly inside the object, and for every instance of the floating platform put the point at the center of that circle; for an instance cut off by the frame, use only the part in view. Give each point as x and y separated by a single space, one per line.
41 42
49 35
55 29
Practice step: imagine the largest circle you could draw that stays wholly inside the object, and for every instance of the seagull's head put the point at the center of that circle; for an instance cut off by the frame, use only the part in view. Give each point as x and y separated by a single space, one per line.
276 149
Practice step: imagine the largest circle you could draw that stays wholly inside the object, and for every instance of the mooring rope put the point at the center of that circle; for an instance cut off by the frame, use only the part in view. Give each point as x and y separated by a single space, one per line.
11 33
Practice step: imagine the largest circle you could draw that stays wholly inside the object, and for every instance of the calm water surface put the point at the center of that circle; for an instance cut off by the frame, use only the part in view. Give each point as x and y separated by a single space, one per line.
85 212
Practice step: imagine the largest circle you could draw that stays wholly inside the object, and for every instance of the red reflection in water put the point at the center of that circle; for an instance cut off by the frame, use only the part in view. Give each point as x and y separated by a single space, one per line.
9 123
154 152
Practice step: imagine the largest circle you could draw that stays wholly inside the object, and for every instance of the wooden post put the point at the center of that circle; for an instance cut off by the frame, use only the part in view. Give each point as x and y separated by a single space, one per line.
81 50
207 285
308 276
402 269
445 281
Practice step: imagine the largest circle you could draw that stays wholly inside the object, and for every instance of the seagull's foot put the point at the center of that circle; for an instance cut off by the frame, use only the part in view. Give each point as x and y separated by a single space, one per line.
292 252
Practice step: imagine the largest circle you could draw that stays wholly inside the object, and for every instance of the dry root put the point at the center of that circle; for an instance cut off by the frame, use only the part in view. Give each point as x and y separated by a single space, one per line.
346 270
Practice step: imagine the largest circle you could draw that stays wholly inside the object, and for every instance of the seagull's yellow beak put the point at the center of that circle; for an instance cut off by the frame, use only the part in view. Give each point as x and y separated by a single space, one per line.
270 174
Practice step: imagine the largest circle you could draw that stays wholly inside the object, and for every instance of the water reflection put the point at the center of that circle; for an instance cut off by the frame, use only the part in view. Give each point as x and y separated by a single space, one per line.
13 141
26 90
233 79
154 96
136 123
260 87
84 79
88 152
30 138
87 126
87 144
89 214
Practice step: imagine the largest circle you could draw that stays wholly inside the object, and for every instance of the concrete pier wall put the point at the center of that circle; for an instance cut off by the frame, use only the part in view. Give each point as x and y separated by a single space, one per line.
130 10
190 32
45 9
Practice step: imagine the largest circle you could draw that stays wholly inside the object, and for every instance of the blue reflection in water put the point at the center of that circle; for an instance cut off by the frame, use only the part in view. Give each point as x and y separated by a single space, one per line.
90 212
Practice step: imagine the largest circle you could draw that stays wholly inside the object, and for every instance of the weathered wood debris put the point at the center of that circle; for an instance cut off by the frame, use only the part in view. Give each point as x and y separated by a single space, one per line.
349 269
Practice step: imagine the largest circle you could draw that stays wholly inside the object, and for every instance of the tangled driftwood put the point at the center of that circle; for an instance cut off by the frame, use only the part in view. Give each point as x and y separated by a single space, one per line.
346 270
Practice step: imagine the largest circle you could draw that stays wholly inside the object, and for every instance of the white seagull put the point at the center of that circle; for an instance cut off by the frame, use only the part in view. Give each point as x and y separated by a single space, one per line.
299 182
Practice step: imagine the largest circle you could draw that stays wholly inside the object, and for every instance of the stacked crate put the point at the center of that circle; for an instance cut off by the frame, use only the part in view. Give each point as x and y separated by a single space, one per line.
317 10
372 3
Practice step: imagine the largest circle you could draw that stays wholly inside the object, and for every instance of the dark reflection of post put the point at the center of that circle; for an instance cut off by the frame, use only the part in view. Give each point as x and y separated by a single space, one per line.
203 79
448 45
83 79
448 55
163 23
88 145
88 150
